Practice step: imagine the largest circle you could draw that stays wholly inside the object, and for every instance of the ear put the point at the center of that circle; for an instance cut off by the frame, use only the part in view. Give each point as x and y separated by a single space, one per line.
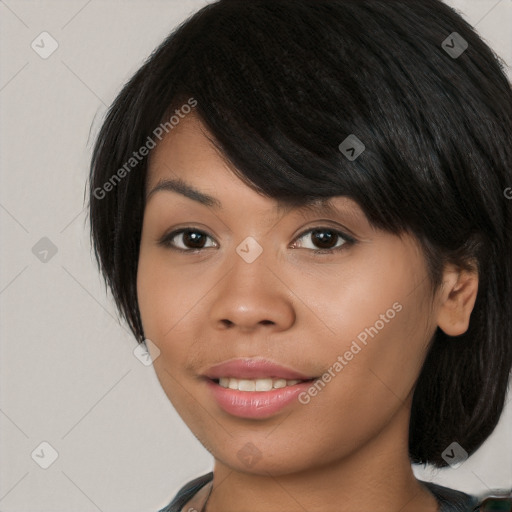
457 299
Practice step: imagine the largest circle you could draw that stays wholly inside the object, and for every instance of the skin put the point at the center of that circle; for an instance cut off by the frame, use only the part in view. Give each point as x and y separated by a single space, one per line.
348 446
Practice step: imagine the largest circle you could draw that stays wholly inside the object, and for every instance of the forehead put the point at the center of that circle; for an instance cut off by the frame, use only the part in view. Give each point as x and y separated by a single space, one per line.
187 159
189 137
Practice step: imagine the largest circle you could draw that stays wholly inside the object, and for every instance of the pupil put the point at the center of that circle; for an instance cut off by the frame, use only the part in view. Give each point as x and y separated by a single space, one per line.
325 242
193 238
324 239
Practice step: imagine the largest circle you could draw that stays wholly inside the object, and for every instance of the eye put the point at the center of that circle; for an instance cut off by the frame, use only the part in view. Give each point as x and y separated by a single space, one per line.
326 240
186 240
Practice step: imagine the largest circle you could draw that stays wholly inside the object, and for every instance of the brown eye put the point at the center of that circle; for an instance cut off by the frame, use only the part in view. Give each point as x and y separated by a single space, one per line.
186 240
324 240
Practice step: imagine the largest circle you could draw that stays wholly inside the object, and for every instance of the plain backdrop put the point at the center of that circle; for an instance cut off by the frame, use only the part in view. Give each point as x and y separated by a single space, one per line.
69 376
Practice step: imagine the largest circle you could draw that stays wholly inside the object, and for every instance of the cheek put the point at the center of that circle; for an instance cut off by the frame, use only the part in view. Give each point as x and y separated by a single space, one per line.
378 319
399 363
166 295
172 301
153 297
163 305
384 355
369 299
160 298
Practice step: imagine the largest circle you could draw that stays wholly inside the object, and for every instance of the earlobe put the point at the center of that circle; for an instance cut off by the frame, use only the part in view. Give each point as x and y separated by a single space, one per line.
457 296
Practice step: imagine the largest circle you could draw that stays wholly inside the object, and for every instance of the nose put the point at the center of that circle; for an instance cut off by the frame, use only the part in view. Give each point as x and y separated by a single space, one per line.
252 296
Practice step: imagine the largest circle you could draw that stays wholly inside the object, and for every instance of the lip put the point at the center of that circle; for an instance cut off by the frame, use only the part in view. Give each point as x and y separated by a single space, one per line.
254 368
255 404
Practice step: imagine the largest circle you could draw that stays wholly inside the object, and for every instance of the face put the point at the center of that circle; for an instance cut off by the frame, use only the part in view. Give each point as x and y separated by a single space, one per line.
280 295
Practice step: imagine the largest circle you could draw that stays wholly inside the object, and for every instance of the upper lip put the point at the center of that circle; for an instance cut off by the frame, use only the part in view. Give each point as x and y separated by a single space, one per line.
254 368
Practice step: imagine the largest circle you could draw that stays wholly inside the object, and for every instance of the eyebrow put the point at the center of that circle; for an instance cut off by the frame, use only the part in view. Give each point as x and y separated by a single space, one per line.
183 188
180 186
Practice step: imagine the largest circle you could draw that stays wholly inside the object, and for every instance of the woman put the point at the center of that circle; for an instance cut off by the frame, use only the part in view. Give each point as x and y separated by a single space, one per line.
300 209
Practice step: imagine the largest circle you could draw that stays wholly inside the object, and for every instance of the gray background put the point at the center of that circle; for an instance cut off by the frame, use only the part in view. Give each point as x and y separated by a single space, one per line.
68 373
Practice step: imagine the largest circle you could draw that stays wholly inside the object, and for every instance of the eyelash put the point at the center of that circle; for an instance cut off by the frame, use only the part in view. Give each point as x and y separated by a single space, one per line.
166 240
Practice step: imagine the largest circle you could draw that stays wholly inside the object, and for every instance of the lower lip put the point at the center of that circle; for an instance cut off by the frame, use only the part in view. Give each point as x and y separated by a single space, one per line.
255 404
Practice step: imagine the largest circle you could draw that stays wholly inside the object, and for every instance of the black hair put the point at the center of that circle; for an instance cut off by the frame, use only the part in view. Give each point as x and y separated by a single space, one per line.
280 84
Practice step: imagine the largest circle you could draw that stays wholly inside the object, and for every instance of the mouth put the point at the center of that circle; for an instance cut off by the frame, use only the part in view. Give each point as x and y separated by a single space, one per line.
257 385
256 369
255 388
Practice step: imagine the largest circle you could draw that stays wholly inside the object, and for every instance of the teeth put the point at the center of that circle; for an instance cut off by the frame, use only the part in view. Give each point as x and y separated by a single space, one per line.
255 384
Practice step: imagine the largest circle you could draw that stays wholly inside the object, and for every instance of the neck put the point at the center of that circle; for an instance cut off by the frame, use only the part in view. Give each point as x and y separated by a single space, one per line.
378 477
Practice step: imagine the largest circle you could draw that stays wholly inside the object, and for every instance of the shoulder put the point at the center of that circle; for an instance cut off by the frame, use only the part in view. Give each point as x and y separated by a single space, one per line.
451 500
187 492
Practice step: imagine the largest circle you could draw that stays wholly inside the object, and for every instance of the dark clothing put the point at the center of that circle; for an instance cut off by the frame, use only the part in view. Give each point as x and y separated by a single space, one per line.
449 500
